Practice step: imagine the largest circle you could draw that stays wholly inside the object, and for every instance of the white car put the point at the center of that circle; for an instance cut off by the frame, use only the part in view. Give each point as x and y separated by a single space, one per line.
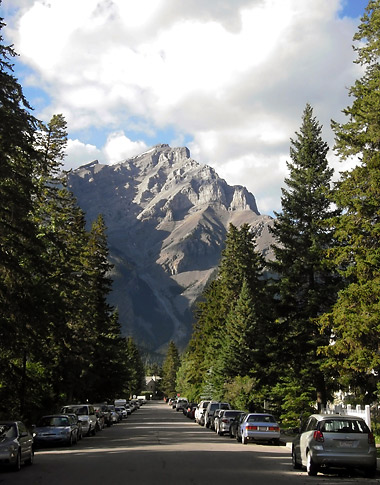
258 427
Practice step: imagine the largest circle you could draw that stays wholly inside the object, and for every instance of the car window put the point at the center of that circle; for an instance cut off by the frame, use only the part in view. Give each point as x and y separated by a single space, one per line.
8 431
344 426
261 418
311 424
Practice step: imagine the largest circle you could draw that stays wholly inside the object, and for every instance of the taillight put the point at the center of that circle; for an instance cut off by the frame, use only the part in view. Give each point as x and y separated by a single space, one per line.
371 439
318 436
225 421
274 428
252 428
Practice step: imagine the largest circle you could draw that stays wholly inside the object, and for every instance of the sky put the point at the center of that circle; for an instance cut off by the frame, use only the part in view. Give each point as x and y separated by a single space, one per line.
229 79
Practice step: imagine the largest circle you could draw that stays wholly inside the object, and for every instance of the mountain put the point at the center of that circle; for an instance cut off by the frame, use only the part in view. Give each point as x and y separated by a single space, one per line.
167 217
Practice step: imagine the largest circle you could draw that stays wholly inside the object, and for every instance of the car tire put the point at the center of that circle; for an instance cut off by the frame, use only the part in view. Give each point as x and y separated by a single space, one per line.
17 465
295 463
237 437
311 467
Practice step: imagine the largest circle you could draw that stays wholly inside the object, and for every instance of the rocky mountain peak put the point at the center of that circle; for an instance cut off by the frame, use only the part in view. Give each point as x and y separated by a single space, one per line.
167 217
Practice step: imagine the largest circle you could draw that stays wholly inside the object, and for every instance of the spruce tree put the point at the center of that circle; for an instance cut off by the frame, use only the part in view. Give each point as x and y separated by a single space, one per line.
354 320
21 315
306 286
169 370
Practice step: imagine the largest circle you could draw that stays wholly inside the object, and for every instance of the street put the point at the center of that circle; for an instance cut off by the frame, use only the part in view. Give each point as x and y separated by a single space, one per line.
156 444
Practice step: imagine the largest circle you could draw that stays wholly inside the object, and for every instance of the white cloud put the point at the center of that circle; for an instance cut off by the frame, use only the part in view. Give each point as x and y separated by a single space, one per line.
78 153
232 76
120 147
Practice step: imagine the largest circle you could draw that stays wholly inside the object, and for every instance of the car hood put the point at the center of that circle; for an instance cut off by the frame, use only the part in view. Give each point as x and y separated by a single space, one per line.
5 441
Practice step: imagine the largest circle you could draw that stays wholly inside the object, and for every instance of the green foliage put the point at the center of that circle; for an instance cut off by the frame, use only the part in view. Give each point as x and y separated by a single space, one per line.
169 370
296 400
354 319
239 391
306 285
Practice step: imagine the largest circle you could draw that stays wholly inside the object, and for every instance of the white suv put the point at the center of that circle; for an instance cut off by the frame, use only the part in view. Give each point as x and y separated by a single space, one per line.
200 412
210 410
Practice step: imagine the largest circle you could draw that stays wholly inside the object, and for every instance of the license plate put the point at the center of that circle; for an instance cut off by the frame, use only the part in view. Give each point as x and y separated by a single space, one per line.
346 444
262 428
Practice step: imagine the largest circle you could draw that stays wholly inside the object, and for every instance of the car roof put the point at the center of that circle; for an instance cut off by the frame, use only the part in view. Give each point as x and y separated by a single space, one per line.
321 417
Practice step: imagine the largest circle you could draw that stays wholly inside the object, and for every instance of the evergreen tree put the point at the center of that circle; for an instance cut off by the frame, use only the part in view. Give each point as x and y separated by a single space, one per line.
135 369
169 370
354 320
21 315
306 286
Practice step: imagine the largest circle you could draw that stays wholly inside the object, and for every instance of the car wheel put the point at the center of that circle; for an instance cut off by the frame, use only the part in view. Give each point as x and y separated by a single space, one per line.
311 467
17 465
238 439
70 442
295 463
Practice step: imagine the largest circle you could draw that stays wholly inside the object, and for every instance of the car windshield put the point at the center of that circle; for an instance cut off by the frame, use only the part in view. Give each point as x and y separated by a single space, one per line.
81 410
261 418
8 431
55 421
344 426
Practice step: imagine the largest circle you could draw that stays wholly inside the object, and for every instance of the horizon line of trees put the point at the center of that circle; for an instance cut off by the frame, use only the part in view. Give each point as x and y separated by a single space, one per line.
286 343
60 341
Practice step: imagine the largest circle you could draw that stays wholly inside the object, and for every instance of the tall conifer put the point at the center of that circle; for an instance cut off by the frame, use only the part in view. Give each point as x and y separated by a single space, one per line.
354 320
306 286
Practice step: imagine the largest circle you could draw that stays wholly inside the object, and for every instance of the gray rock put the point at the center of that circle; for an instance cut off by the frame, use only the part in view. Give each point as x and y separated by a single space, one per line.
167 217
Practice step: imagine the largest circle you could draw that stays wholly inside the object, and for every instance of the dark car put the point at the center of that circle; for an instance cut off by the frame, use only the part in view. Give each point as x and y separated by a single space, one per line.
16 444
334 441
235 423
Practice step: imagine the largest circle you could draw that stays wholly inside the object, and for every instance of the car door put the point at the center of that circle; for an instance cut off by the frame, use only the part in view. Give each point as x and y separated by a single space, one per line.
306 436
26 441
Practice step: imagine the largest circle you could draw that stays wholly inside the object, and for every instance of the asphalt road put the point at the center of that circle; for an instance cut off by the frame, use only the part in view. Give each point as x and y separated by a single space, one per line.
157 445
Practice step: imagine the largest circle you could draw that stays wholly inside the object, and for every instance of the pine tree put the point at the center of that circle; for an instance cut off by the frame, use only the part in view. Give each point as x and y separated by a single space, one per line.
306 286
21 315
169 370
354 320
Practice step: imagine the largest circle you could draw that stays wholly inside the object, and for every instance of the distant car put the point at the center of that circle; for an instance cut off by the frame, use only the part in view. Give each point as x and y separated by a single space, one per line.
200 412
210 410
55 429
181 404
235 423
258 427
333 440
16 444
225 418
86 413
215 418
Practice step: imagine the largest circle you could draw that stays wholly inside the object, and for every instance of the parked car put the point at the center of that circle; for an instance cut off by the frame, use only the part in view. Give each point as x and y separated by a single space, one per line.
215 418
181 404
210 410
86 413
16 444
333 440
258 427
189 411
200 412
103 408
122 412
225 418
115 417
235 423
55 429
76 421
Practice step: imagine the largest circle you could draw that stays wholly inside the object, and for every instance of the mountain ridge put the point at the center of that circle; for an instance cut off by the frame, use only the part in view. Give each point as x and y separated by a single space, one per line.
167 217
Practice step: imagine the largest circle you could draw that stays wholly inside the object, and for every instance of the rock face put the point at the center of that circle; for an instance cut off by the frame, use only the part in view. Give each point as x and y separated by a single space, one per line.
167 217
